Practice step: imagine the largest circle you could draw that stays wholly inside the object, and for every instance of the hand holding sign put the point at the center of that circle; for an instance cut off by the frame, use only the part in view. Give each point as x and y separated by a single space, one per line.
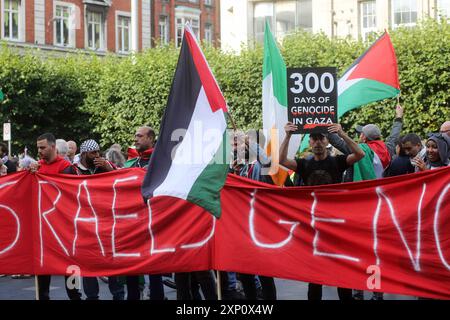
290 128
336 128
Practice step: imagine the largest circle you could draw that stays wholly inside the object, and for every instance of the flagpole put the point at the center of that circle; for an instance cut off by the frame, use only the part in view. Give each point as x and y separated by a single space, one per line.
36 286
219 286
232 121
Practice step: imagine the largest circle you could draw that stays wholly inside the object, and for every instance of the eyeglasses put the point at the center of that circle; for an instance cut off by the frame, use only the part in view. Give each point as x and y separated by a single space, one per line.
444 131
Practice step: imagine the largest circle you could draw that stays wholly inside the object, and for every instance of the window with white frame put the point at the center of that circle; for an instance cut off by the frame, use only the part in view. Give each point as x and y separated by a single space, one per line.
95 31
208 33
164 30
262 11
179 27
208 2
368 18
123 34
443 8
12 20
404 12
62 26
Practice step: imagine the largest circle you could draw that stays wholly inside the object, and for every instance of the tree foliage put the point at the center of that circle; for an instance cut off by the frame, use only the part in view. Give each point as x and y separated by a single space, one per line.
83 96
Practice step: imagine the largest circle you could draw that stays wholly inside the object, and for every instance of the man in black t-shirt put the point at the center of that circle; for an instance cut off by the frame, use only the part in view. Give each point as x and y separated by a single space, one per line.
319 170
321 162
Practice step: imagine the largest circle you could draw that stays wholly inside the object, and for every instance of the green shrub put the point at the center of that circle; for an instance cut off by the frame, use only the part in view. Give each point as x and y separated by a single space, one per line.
108 98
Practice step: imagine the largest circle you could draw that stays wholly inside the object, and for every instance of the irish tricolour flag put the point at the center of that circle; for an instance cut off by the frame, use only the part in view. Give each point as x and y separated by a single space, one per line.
189 160
372 77
274 105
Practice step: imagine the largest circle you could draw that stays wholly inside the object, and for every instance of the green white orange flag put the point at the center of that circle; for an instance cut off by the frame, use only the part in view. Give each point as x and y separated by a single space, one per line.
274 105
372 77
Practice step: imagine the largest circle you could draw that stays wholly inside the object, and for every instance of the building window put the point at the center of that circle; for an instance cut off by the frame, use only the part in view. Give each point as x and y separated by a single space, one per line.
123 34
62 32
193 1
443 8
208 2
208 33
368 18
164 30
404 12
283 17
179 28
95 31
304 15
262 11
12 19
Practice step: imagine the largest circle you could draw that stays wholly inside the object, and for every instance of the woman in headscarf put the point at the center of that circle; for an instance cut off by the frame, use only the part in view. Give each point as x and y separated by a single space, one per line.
437 154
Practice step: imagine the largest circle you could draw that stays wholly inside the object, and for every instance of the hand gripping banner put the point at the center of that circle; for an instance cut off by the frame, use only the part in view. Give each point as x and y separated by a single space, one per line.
389 235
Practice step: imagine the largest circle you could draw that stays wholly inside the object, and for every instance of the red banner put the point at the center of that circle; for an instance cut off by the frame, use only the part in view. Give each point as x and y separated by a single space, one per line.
390 235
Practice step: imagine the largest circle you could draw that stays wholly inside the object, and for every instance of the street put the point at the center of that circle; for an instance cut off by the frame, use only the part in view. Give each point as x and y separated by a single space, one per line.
23 289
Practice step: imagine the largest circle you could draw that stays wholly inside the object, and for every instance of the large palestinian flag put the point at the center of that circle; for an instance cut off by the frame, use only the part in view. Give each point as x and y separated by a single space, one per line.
189 160
274 105
372 77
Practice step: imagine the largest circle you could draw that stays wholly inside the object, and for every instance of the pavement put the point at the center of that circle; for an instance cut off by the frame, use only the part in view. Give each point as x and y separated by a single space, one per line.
24 289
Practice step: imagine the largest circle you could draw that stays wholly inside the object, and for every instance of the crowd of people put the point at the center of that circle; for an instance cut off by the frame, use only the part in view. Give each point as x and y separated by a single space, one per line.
333 158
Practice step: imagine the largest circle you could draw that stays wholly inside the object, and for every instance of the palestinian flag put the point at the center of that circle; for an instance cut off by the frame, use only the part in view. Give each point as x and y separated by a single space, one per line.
189 160
274 105
372 77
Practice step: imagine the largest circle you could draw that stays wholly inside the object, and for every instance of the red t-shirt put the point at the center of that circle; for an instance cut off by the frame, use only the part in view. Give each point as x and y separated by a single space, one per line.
57 166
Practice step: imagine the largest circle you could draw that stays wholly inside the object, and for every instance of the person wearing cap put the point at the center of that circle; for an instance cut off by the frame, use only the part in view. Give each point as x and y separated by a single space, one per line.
321 169
91 163
378 153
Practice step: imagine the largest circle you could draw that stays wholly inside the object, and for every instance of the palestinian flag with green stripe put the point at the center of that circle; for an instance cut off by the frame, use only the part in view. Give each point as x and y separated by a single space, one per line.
372 77
190 161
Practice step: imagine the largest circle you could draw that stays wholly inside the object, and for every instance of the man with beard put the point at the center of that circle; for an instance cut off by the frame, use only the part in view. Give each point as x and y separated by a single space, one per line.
51 163
91 163
321 169
144 142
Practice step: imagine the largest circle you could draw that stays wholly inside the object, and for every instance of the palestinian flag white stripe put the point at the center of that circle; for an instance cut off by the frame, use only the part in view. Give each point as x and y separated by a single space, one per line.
190 161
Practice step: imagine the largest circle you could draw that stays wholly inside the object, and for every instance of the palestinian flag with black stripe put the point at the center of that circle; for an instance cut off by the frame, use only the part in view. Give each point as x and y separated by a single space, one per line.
190 158
372 77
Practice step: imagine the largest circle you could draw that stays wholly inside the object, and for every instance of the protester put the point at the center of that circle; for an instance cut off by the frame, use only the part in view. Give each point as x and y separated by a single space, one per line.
115 156
72 150
252 169
91 163
377 159
62 148
401 162
144 140
321 169
445 129
437 154
51 163
4 159
378 154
